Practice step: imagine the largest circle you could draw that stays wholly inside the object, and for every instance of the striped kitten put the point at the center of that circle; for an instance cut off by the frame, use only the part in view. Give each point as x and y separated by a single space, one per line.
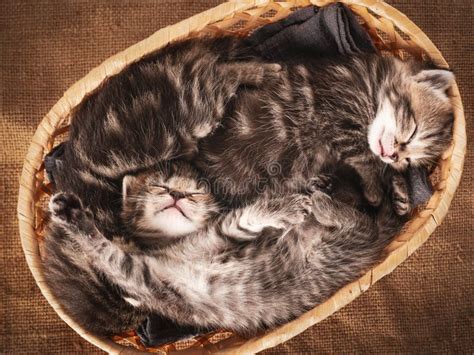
153 111
369 111
246 270
250 125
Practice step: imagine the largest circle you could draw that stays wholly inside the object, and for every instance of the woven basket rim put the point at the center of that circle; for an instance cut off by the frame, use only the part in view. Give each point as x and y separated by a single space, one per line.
418 231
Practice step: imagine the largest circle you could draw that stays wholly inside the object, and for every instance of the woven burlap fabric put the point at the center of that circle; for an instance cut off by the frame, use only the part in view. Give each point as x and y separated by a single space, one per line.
425 305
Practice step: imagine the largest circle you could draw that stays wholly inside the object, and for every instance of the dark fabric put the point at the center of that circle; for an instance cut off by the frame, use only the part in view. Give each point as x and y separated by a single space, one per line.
326 31
157 330
421 188
425 306
52 159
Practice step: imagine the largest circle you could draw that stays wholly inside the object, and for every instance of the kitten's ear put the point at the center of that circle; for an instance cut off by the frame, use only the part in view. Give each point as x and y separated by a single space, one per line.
127 179
438 79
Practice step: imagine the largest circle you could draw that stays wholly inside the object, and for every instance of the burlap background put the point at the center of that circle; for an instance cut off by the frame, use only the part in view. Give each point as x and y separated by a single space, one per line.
426 305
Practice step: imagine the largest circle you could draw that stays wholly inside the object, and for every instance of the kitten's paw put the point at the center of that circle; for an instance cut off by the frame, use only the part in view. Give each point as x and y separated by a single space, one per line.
400 197
65 206
273 68
324 209
298 208
374 195
322 182
319 198
270 71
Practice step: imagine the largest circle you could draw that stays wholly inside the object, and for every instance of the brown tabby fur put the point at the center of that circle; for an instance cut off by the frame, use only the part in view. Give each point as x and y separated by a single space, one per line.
251 128
250 269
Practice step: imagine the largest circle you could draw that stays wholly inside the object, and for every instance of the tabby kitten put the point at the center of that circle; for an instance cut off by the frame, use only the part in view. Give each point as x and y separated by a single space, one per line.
156 210
369 111
250 126
153 111
250 269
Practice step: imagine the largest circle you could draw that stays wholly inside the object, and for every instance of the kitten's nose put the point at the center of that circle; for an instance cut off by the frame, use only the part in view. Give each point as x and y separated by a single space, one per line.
177 195
394 156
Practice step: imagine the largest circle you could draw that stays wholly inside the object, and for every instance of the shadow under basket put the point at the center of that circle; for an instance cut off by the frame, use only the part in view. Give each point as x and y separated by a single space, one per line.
392 32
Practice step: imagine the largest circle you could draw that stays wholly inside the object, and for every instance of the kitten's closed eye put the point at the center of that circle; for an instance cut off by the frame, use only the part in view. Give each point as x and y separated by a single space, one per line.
412 135
159 189
199 196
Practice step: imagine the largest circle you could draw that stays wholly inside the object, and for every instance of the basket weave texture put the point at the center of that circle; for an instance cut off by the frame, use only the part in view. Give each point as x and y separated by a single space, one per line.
392 32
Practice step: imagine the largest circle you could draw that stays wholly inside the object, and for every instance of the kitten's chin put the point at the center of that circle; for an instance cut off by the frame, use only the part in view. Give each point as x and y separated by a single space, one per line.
171 223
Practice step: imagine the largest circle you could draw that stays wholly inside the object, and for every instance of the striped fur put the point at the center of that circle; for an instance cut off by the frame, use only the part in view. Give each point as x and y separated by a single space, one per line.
251 128
251 269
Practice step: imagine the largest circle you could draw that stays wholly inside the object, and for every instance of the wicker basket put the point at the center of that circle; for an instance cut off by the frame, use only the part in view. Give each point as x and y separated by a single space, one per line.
391 31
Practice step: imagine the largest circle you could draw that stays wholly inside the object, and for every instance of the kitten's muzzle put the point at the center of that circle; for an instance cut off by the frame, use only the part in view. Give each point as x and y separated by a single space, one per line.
177 197
388 152
394 156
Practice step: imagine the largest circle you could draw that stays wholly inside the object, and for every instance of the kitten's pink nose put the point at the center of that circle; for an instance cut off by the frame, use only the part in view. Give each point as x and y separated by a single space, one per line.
389 153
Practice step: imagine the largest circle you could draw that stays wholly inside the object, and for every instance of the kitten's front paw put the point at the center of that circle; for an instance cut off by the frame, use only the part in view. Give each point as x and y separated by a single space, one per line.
67 207
270 71
400 197
299 207
272 68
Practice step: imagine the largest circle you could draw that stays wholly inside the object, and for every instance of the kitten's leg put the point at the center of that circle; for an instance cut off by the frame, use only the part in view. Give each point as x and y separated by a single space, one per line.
369 173
334 214
266 216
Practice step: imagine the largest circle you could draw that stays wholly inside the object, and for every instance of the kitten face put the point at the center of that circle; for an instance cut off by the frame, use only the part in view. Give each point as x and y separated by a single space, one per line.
167 202
413 124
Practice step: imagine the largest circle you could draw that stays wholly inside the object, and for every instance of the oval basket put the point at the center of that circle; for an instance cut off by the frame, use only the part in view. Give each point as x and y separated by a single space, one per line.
392 32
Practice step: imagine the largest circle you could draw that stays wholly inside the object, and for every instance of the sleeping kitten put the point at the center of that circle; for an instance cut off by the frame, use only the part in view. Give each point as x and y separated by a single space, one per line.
157 209
153 111
250 126
369 111
250 269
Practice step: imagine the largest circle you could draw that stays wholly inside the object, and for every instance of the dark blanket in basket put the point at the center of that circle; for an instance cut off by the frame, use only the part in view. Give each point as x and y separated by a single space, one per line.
327 31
